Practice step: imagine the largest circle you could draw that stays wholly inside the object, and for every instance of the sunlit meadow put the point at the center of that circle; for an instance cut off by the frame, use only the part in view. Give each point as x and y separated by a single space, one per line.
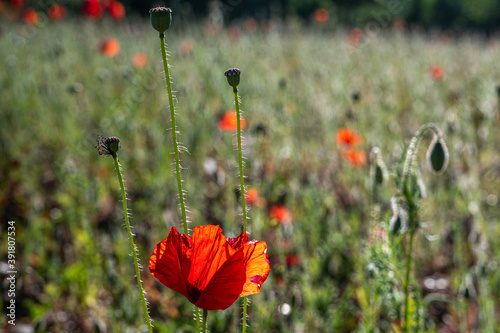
338 261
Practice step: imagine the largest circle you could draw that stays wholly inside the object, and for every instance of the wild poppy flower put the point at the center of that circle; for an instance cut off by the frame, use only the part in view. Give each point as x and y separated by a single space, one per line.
234 33
140 60
230 123
355 36
186 46
321 16
117 10
109 46
356 158
16 3
281 214
31 16
56 12
293 260
436 72
252 197
92 9
251 25
346 137
210 270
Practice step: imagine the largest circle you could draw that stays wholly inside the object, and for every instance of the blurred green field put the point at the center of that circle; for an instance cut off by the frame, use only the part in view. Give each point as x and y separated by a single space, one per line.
329 274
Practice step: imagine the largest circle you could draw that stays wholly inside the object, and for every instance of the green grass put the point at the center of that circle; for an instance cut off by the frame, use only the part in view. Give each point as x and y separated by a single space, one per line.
58 94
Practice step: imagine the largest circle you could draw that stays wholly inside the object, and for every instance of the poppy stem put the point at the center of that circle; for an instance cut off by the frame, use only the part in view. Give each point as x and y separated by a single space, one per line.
174 133
240 159
205 315
407 283
132 245
242 189
197 315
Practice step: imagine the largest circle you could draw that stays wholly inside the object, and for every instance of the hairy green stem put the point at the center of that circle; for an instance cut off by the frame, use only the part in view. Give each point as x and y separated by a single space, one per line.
240 159
205 316
174 133
407 283
242 190
197 314
132 245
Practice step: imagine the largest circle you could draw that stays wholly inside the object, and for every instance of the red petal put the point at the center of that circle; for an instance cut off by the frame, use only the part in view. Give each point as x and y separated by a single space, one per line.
239 241
256 265
225 286
170 263
209 252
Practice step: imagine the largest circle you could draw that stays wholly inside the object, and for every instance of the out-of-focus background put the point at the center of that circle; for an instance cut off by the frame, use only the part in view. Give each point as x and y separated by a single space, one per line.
73 70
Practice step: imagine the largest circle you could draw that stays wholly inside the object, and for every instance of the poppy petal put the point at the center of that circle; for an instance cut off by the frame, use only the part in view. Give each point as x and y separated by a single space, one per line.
225 286
170 263
209 253
239 241
256 265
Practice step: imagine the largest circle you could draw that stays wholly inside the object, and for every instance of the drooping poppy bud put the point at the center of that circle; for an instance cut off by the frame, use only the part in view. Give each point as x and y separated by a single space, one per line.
437 155
161 18
233 76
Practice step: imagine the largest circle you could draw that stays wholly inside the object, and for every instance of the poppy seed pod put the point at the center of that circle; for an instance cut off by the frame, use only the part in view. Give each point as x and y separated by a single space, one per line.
108 146
233 76
437 155
161 18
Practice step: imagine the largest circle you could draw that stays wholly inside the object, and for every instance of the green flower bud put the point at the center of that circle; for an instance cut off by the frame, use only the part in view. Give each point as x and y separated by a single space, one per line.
161 18
233 76
437 155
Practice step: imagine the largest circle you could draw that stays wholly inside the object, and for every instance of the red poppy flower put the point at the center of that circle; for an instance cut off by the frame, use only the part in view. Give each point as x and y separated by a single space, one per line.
140 60
92 9
293 260
116 10
186 46
109 46
16 3
355 36
230 123
251 25
436 72
56 12
31 16
346 137
281 214
210 270
321 16
356 158
252 197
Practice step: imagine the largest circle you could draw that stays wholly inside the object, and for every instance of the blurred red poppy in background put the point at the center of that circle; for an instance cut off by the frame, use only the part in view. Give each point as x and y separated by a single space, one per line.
31 16
346 137
56 12
281 214
16 3
109 46
117 10
230 123
321 16
93 9
253 198
436 72
186 46
356 158
208 269
140 60
355 36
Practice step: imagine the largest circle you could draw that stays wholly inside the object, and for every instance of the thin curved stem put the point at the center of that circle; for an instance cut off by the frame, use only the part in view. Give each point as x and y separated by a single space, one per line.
174 133
407 283
132 245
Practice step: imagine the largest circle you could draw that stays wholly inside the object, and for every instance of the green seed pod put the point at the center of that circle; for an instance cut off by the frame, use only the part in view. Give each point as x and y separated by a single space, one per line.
437 155
161 18
108 146
233 76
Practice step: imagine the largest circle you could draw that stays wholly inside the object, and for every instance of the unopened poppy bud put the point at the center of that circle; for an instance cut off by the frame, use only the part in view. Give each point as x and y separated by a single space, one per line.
108 146
161 18
233 76
379 172
437 155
